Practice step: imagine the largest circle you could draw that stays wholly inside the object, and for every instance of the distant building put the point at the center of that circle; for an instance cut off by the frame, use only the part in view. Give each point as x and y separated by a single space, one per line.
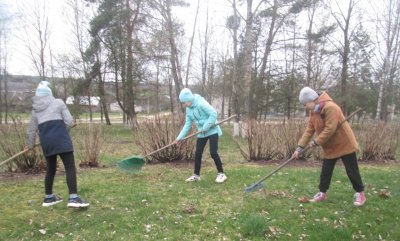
84 100
114 107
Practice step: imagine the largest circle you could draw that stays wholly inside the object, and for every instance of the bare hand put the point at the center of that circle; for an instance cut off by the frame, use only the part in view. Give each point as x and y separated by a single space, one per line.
177 142
296 155
313 144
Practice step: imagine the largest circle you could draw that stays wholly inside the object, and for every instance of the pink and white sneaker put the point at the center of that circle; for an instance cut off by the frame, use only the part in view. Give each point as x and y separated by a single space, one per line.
319 197
359 199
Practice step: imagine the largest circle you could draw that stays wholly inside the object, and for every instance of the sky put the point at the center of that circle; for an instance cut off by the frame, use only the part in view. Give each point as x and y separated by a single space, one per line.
19 61
60 33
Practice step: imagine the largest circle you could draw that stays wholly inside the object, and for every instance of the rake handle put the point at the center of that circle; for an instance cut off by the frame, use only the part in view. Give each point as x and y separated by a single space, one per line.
23 151
308 147
15 155
187 137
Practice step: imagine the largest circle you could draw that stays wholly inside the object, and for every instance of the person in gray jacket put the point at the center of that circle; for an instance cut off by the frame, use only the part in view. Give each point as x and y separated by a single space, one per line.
51 118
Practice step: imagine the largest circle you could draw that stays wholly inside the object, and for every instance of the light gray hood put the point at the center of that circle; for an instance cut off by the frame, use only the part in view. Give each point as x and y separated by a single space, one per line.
40 103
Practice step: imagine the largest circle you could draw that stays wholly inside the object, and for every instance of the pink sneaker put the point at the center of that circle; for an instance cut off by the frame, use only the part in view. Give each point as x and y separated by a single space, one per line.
359 199
319 197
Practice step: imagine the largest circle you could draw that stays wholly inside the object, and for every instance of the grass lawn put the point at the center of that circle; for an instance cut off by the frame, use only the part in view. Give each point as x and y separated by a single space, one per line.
156 204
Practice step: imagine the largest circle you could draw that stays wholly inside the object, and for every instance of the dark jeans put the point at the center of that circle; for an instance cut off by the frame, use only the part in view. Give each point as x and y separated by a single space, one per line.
201 143
351 166
69 165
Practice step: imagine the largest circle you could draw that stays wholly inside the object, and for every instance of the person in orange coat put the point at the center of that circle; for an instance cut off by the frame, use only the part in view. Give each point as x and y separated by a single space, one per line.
337 142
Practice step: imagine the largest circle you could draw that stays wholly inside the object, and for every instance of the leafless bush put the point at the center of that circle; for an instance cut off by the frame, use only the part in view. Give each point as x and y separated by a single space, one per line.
269 140
157 133
379 141
14 141
261 141
289 134
90 143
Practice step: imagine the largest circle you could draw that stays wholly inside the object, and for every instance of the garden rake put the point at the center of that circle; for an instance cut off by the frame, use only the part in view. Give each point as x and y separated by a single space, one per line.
260 183
135 163
18 154
24 151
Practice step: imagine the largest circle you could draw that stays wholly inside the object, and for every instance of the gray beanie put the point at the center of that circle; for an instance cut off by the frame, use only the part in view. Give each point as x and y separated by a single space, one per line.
307 95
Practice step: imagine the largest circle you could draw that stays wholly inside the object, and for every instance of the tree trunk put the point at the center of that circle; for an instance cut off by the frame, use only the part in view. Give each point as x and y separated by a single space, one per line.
258 82
247 63
235 87
191 44
174 59
1 90
101 92
130 101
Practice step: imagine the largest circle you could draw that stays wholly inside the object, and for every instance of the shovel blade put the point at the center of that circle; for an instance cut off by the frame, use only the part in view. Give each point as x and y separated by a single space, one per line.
254 187
131 164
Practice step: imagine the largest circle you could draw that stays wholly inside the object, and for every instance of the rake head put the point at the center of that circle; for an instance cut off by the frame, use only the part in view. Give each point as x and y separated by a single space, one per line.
254 187
131 164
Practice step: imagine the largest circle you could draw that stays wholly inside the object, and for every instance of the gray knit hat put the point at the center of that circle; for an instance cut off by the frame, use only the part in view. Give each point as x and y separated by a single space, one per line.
307 95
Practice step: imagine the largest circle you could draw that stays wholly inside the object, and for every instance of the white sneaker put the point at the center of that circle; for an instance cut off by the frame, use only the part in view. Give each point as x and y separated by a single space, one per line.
221 177
193 178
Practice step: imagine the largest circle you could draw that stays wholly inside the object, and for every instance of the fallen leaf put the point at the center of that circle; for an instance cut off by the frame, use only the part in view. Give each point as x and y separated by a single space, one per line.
274 230
385 194
189 209
303 199
147 227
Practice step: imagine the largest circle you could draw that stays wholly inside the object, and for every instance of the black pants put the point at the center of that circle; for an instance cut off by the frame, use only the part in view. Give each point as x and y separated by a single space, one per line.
201 143
69 165
351 165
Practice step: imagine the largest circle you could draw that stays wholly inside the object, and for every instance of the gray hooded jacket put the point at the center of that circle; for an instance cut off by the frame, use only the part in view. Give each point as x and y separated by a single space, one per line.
52 118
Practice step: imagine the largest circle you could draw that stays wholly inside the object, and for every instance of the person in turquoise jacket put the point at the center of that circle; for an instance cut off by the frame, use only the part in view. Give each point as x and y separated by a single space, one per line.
204 116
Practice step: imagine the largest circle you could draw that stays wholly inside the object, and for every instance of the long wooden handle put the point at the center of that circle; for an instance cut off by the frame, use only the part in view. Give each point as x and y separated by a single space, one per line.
292 158
25 150
15 155
189 136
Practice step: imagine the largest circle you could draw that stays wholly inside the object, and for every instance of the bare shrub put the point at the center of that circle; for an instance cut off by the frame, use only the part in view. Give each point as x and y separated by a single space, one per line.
260 141
288 134
270 140
380 141
14 141
159 132
90 143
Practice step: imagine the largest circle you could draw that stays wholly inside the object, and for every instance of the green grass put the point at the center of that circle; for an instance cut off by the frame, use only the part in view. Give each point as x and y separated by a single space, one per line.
156 204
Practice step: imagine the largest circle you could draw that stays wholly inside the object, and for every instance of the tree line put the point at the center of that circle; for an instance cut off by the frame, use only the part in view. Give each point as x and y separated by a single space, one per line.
273 48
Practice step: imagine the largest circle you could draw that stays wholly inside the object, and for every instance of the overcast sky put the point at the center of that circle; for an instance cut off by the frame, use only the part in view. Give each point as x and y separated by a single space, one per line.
60 33
60 36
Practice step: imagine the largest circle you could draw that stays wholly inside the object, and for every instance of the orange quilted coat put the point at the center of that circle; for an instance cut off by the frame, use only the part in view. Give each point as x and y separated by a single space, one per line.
335 141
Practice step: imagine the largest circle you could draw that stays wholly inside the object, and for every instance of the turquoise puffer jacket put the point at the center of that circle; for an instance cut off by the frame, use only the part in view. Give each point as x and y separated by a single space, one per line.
203 115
